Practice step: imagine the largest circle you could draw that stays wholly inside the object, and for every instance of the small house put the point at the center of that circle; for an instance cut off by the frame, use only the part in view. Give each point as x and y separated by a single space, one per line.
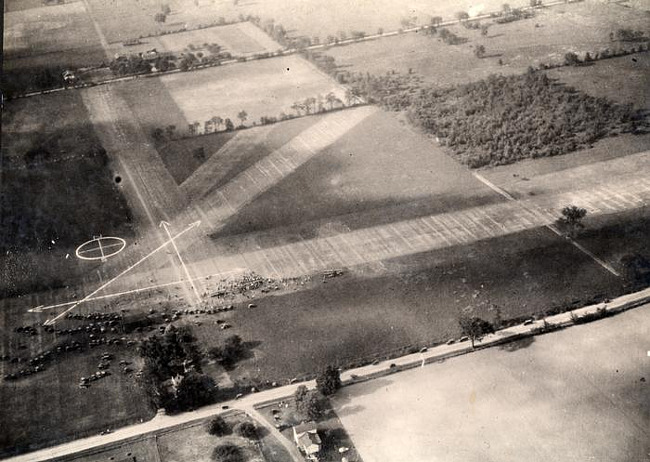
306 438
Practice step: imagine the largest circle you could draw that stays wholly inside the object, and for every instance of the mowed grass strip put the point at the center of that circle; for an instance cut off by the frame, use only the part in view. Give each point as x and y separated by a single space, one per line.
378 172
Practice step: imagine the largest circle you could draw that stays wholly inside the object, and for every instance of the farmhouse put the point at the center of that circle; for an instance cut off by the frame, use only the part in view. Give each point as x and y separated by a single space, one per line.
306 437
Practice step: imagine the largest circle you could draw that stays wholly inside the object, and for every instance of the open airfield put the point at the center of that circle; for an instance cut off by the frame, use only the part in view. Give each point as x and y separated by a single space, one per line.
363 237
578 394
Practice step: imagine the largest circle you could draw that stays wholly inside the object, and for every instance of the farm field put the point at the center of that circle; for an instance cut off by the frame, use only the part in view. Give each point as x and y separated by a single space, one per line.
40 42
135 18
241 39
377 172
261 88
577 394
50 145
543 39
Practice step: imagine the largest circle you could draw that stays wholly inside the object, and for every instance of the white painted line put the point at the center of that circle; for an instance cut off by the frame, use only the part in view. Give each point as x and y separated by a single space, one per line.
103 286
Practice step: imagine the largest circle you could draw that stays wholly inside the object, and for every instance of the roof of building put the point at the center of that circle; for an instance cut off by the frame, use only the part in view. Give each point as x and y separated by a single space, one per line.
309 439
305 427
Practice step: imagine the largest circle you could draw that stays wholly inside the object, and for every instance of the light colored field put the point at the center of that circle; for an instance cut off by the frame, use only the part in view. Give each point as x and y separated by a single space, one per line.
576 27
261 88
572 395
242 39
122 19
48 28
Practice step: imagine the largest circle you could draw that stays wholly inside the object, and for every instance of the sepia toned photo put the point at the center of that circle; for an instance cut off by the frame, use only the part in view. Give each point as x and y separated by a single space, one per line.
325 231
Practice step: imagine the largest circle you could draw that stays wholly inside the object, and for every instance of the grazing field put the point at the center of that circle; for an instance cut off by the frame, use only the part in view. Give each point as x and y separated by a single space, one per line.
625 80
577 394
543 39
378 172
50 146
241 39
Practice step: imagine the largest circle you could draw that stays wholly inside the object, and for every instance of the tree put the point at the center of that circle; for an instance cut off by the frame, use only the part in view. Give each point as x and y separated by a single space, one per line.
199 153
571 219
300 395
233 348
228 453
247 430
157 134
217 121
571 59
242 116
160 17
166 9
218 427
229 125
484 29
462 16
506 8
479 51
330 98
436 21
314 405
329 381
195 390
475 328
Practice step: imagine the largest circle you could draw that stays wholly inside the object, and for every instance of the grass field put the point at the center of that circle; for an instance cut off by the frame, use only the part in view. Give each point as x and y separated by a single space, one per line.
577 394
50 407
378 172
59 199
543 39
410 301
625 80
241 39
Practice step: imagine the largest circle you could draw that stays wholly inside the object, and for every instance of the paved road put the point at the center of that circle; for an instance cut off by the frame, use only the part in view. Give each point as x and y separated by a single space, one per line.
371 371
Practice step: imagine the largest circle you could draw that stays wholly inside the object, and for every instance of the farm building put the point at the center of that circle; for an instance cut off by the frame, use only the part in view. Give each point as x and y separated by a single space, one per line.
306 437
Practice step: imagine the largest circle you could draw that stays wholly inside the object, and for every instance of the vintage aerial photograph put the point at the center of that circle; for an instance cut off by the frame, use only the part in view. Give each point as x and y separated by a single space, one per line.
325 231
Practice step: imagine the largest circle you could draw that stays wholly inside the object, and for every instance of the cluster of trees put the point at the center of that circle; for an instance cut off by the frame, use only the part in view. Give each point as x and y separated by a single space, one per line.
392 91
627 35
509 14
450 38
500 120
175 355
